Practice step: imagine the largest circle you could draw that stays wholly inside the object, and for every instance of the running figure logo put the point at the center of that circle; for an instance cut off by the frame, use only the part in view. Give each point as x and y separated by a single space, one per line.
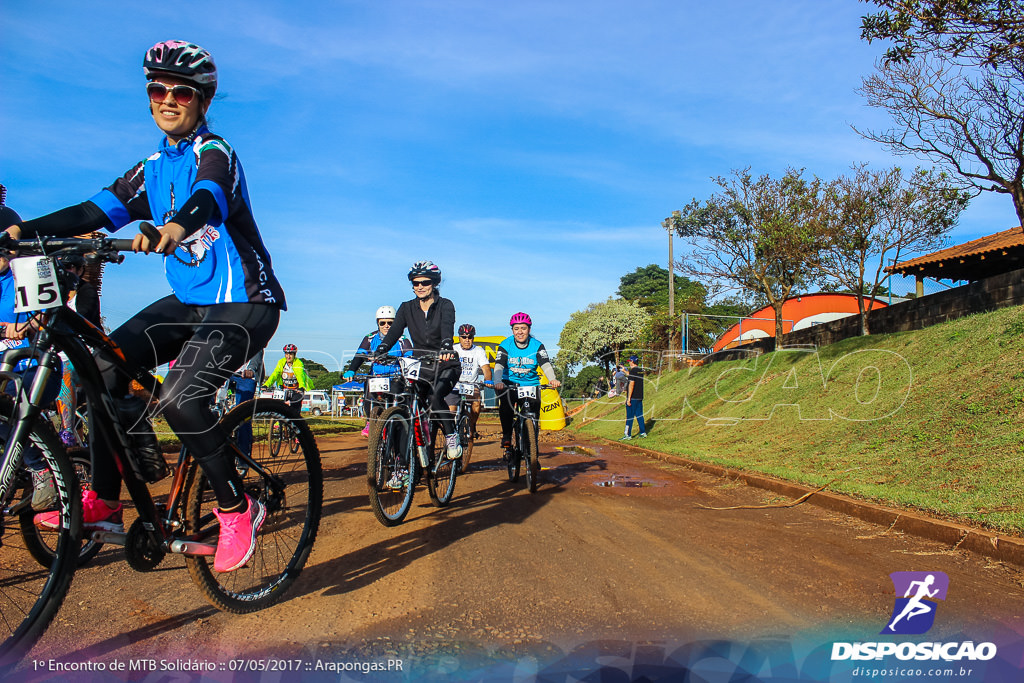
914 613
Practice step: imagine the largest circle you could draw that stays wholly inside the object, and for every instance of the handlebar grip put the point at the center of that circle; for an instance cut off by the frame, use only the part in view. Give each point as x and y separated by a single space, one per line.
121 245
150 231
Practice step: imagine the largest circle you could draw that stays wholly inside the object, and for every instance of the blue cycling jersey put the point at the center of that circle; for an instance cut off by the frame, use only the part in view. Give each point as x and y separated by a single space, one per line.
522 364
369 346
225 260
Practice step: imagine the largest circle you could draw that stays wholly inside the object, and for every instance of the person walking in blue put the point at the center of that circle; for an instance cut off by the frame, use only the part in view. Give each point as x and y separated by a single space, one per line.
635 399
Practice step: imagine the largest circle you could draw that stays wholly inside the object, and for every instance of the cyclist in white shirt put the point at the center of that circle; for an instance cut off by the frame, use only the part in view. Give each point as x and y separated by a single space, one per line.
474 363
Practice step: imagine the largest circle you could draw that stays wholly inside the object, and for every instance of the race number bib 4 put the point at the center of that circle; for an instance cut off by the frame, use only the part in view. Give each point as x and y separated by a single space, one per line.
379 384
35 284
527 392
410 368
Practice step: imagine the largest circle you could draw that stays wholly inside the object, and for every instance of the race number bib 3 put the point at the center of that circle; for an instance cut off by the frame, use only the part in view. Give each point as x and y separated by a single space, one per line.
527 392
379 384
35 284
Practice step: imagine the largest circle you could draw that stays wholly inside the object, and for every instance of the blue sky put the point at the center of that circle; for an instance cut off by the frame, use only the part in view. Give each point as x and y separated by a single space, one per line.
531 148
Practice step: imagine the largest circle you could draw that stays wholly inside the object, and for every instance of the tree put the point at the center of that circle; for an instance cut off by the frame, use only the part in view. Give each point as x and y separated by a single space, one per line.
763 235
648 286
582 384
882 214
983 32
599 333
326 380
968 121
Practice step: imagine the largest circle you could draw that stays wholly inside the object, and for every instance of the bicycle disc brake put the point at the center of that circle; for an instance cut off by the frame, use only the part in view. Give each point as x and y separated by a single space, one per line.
139 550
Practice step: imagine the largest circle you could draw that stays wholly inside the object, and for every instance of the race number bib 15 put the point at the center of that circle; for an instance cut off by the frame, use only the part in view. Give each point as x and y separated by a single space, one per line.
527 392
35 284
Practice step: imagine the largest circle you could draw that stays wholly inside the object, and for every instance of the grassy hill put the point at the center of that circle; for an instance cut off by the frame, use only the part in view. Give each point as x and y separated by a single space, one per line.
930 420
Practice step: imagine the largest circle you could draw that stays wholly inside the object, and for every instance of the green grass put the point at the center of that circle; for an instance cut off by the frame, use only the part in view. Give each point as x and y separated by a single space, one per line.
927 420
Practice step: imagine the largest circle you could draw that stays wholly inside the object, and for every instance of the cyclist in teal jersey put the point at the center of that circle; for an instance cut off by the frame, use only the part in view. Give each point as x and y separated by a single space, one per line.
522 355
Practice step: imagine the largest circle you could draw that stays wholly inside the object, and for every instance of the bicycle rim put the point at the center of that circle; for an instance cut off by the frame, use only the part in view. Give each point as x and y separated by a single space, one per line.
442 472
293 514
531 455
30 595
42 542
276 437
390 461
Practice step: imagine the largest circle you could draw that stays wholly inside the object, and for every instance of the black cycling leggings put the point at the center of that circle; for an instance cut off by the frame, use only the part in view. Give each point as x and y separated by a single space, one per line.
207 343
445 376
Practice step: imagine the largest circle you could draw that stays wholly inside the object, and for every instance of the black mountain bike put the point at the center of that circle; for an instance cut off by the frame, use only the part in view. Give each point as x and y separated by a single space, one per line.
291 487
526 400
403 443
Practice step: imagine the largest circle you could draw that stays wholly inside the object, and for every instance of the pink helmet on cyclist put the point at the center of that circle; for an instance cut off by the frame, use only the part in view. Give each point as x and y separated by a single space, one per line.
184 60
520 318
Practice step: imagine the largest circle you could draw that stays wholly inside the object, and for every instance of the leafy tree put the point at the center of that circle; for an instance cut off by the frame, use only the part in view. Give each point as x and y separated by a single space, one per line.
648 286
313 369
883 214
984 32
953 84
763 235
326 380
581 385
600 332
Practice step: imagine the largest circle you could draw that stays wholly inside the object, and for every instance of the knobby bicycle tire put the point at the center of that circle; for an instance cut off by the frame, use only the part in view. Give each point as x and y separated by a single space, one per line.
276 438
442 472
530 454
29 596
391 449
292 515
466 439
515 453
38 541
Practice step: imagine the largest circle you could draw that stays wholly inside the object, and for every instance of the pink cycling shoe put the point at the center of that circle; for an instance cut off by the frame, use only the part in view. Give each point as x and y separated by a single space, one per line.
238 531
96 515
366 430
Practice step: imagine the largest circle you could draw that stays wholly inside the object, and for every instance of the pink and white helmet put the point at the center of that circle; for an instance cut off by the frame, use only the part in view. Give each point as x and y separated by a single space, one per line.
184 60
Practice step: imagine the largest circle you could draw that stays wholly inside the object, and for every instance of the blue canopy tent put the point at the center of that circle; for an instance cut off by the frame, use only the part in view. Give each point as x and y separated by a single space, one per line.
353 388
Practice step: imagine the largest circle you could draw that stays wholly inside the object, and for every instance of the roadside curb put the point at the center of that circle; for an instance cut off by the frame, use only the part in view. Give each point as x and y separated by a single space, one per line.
1004 548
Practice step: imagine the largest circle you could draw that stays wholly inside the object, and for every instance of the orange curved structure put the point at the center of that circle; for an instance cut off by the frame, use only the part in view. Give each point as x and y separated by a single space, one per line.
797 313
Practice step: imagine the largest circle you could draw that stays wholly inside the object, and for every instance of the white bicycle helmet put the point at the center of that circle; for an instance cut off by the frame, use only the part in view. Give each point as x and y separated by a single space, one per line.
386 313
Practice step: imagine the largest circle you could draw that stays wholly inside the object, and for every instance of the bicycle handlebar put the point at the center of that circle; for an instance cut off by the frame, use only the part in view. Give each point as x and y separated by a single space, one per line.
92 249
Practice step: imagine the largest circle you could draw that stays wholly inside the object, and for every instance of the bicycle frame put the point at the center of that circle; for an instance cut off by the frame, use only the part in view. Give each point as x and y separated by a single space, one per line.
61 328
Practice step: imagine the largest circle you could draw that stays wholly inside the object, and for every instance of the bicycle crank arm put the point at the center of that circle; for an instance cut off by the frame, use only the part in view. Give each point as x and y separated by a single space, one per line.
109 537
192 548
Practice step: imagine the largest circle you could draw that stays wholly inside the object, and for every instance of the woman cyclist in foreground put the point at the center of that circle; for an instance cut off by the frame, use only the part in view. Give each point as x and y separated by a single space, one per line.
430 319
226 301
522 355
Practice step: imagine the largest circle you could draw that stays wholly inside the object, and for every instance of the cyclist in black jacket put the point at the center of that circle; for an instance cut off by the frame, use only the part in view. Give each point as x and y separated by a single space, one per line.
430 320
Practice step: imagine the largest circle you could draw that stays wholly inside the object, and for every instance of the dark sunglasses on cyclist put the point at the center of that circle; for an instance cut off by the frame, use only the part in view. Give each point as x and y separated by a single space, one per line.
182 94
421 283
289 353
465 336
385 323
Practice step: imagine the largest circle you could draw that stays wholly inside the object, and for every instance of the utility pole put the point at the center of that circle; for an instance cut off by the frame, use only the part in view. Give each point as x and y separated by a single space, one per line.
667 224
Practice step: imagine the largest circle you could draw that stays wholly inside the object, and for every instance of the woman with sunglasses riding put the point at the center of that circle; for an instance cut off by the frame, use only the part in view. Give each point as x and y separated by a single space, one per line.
226 301
430 320
368 348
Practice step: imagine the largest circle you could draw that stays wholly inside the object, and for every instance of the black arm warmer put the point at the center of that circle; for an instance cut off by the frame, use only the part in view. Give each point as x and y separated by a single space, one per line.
197 211
74 220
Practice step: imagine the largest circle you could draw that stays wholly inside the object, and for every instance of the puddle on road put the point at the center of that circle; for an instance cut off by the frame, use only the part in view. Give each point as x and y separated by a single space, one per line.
576 449
628 482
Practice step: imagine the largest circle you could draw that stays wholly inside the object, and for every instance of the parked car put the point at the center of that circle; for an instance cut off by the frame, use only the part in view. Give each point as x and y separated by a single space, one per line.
316 402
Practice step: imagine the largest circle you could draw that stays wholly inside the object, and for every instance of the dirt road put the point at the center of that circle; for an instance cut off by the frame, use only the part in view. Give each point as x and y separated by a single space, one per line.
614 557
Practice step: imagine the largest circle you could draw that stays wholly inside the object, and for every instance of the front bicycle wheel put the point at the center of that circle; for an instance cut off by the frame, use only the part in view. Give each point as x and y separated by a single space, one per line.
30 595
513 454
41 541
466 439
442 471
291 489
528 444
391 466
